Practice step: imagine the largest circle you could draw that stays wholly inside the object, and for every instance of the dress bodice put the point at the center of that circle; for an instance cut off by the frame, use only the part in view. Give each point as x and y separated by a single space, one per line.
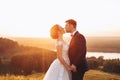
65 47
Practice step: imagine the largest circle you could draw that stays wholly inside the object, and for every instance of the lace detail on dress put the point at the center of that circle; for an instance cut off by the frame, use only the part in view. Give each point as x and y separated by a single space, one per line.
59 43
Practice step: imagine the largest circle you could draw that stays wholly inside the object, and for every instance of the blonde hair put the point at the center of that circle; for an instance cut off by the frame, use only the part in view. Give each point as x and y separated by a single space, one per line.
54 31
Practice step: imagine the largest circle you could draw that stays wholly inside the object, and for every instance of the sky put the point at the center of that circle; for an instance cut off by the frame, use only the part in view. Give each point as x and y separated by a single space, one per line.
34 18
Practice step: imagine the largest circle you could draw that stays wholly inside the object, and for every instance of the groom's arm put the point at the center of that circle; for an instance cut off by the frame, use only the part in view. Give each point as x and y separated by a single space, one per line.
80 50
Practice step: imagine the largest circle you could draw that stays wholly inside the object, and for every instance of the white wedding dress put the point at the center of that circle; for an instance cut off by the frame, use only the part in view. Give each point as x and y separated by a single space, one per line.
57 71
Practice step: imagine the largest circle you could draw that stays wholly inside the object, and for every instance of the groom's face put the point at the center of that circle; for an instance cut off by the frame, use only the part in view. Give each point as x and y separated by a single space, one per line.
68 27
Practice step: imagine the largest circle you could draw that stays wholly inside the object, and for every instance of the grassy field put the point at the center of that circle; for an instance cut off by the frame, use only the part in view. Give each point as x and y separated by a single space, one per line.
99 75
90 75
36 76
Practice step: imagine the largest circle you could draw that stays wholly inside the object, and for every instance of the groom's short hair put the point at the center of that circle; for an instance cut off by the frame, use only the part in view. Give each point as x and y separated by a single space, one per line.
71 21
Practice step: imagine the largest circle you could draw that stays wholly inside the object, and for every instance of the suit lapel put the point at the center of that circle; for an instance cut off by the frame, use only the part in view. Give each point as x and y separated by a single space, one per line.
72 39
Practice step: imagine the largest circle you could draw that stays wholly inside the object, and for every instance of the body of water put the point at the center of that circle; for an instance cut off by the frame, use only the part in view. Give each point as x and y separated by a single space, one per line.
106 55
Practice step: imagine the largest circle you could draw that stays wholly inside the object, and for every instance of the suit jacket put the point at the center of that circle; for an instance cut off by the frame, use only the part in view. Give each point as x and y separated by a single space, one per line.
77 52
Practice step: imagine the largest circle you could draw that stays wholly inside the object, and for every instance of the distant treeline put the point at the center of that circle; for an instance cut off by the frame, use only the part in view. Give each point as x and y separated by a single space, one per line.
18 59
27 64
8 46
108 65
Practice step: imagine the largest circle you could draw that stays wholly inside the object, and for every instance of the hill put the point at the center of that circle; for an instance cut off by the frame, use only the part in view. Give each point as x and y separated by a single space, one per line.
103 44
19 59
94 44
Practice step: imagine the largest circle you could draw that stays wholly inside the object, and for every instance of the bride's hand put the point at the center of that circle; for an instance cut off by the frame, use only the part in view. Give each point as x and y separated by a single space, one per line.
73 68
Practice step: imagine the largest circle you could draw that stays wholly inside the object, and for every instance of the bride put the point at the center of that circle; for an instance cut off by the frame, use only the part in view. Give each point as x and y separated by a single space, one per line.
60 67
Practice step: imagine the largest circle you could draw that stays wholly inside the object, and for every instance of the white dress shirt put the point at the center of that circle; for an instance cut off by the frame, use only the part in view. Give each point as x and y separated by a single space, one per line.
72 34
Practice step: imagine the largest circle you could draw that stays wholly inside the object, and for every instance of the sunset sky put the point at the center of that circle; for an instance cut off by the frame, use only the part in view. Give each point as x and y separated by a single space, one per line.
34 18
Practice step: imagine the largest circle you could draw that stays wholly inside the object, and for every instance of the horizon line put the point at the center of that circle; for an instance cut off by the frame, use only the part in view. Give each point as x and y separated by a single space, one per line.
47 37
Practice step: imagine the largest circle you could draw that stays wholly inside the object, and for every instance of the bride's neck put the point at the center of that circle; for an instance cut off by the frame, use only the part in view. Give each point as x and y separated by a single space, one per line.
60 37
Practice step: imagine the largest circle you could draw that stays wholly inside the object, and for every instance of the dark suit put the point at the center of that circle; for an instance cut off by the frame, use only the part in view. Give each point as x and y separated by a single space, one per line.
77 55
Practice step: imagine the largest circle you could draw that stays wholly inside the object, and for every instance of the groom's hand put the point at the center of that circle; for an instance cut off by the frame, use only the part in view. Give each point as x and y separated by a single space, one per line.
73 68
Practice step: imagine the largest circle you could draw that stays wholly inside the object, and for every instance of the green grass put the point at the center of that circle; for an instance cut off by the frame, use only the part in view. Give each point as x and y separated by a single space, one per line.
90 75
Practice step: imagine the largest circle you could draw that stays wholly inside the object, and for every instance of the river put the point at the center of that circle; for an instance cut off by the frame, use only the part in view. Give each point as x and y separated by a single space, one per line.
106 55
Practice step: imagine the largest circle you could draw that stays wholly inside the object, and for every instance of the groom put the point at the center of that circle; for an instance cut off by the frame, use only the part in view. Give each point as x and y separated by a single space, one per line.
77 51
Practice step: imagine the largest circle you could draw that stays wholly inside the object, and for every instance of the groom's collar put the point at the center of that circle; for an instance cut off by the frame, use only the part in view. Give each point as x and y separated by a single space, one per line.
73 32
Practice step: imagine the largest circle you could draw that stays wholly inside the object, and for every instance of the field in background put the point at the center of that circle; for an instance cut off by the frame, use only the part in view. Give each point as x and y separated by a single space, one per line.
94 44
